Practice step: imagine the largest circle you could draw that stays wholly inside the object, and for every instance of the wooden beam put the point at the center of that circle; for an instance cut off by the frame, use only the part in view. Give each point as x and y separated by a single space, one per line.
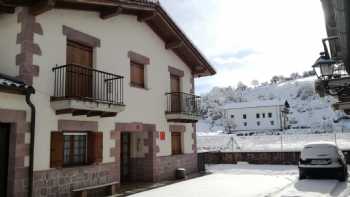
174 45
7 9
146 17
42 7
109 13
79 112
94 113
108 114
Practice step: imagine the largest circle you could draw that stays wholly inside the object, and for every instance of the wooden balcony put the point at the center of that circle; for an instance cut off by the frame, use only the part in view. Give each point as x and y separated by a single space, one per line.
79 90
182 107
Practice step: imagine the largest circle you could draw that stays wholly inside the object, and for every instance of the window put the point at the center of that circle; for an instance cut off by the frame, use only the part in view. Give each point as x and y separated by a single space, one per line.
258 123
272 122
263 115
137 74
78 148
244 116
270 115
75 150
257 115
232 116
176 145
245 124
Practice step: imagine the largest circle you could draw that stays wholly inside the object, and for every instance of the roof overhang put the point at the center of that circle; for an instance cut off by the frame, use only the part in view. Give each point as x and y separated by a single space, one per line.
12 85
337 18
147 11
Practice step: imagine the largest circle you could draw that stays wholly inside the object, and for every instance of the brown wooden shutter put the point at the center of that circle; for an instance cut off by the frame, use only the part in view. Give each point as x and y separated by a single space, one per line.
56 149
95 147
137 74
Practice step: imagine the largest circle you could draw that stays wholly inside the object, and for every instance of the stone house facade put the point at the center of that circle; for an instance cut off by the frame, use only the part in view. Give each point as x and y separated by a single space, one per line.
114 95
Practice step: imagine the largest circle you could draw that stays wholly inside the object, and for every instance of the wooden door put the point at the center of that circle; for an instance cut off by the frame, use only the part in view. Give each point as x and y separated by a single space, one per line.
176 95
4 153
125 157
176 146
79 77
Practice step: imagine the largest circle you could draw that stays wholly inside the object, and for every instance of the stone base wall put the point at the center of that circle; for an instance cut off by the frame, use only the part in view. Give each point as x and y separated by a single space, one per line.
168 164
61 182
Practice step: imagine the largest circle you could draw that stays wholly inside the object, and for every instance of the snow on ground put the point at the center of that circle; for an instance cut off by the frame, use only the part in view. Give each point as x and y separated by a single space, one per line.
244 180
230 181
294 142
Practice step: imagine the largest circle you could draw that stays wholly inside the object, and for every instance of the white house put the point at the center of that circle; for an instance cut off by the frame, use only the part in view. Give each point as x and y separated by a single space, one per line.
255 116
94 94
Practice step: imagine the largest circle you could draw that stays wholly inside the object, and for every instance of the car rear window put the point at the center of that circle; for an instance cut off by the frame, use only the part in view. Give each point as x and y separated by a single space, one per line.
319 152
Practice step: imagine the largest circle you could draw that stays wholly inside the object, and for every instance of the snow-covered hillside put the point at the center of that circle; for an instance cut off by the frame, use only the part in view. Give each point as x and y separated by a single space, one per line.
307 109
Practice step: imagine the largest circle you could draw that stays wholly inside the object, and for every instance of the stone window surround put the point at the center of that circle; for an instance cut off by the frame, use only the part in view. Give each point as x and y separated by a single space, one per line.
80 37
18 151
176 72
143 60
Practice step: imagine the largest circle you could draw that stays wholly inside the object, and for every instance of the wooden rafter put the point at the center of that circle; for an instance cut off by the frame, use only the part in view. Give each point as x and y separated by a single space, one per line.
146 17
174 44
42 6
108 13
7 9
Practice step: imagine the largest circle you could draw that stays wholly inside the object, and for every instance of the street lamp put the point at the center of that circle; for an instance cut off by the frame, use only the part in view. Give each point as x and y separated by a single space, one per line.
324 67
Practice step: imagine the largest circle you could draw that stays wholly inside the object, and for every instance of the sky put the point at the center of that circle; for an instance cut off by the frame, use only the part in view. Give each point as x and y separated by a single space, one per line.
249 40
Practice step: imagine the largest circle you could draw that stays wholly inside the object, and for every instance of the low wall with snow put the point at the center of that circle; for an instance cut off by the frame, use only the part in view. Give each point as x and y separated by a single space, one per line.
290 158
268 143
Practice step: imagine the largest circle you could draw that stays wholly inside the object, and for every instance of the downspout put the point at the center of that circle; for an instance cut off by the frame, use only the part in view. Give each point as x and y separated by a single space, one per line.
29 92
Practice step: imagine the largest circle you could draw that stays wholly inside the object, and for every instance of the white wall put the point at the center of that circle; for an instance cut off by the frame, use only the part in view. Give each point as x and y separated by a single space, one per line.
8 47
118 35
265 123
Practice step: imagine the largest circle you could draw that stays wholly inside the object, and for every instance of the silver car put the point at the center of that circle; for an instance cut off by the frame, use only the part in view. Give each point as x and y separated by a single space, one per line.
322 158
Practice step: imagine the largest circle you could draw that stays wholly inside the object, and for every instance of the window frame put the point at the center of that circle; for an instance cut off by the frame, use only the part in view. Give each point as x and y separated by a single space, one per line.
244 116
272 123
270 114
232 116
258 123
71 162
245 124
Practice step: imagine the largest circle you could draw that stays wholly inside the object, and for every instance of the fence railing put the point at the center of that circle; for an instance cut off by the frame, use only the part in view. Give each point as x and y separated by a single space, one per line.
179 102
80 82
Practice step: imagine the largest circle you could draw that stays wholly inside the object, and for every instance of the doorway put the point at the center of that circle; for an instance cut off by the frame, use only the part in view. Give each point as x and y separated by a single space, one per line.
4 154
125 157
79 72
176 95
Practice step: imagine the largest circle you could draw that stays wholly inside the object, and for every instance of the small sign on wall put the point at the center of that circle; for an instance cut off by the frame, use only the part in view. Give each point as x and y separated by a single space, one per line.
162 135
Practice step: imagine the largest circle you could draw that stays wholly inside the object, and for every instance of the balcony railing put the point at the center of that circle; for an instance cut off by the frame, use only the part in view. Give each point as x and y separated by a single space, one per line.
83 83
183 103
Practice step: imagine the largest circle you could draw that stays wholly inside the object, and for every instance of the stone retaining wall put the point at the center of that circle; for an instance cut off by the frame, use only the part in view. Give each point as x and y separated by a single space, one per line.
60 182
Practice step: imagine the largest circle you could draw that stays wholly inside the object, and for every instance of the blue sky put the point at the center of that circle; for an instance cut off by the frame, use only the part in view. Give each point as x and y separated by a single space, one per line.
251 39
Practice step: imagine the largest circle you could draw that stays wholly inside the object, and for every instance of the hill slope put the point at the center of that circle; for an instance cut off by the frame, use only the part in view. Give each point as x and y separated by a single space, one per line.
307 110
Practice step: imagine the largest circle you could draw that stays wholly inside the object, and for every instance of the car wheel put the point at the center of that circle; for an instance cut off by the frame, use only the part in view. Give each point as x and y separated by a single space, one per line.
343 175
302 174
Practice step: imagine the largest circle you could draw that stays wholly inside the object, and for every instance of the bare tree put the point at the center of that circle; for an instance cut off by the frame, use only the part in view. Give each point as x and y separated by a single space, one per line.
230 125
255 83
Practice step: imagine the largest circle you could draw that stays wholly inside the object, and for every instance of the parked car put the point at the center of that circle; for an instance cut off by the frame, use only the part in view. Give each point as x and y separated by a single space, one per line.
322 158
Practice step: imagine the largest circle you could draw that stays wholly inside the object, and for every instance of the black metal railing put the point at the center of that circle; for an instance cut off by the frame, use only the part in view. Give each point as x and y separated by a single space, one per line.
83 83
179 102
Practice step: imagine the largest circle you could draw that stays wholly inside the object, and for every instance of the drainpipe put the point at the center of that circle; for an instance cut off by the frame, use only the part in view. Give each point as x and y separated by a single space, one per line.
29 92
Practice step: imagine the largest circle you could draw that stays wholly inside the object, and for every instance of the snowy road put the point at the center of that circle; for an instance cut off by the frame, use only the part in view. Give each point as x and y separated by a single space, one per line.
251 181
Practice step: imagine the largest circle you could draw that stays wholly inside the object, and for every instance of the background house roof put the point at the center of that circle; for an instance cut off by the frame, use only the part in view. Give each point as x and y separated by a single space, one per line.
254 104
148 11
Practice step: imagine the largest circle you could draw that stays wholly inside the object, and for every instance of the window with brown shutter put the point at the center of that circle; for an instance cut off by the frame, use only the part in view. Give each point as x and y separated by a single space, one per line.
95 147
76 148
176 144
56 149
137 74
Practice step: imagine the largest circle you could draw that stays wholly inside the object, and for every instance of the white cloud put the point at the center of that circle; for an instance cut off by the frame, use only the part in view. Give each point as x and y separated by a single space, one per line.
284 35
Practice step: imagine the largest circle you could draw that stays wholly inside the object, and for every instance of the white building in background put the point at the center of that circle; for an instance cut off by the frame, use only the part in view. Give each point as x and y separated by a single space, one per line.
255 116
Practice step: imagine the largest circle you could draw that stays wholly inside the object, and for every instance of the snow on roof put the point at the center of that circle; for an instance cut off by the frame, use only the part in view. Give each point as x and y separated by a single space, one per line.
321 143
9 81
266 103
